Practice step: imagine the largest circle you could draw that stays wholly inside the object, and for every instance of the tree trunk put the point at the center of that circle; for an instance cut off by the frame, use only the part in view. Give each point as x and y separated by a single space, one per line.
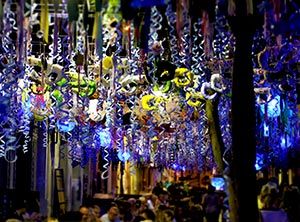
242 171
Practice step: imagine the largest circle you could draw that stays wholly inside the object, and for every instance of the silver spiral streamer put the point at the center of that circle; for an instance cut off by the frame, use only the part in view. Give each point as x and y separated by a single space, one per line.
53 57
2 144
67 104
81 36
10 75
132 100
105 173
129 148
198 55
171 150
45 133
27 115
186 38
223 41
82 101
155 26
25 127
75 152
224 108
204 137
171 17
190 156
114 111
196 60
110 112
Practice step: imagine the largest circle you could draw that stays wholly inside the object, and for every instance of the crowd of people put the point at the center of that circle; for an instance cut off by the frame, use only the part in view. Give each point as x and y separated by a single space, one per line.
180 203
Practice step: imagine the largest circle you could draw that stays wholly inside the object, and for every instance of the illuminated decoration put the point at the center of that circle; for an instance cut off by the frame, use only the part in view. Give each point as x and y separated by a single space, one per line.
272 107
266 130
183 77
65 125
11 154
216 83
207 91
104 136
133 79
259 162
4 106
194 99
285 142
123 156
218 183
151 102
148 3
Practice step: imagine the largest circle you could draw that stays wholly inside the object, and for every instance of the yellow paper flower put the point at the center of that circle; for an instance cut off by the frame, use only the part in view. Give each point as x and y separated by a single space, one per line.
107 62
151 102
194 99
183 77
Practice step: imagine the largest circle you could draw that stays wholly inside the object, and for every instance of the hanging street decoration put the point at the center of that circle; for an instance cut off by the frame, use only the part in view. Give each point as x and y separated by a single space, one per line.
144 81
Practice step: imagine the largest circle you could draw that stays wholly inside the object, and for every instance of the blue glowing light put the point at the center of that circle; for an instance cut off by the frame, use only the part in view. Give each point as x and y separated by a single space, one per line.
123 156
266 130
104 136
174 166
273 107
257 167
4 105
218 183
148 3
285 142
65 125
259 162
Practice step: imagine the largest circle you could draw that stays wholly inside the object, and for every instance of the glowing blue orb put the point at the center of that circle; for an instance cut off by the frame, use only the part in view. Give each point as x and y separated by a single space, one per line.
104 136
218 183
65 125
273 107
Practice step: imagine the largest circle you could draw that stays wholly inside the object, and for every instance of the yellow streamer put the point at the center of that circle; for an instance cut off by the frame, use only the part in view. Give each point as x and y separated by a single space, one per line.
216 147
96 24
44 21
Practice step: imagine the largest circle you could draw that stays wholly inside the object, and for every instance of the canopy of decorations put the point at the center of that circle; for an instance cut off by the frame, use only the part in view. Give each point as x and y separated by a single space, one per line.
142 81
